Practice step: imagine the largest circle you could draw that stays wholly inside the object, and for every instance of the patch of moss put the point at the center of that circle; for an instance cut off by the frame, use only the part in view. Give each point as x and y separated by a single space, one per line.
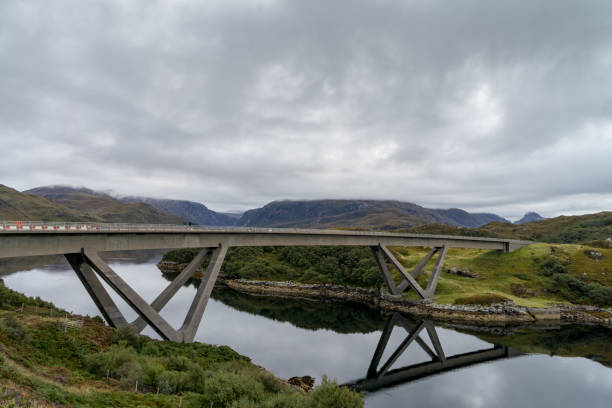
484 299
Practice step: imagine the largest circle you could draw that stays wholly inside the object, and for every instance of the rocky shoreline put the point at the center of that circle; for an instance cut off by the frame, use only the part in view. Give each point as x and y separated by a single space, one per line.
500 314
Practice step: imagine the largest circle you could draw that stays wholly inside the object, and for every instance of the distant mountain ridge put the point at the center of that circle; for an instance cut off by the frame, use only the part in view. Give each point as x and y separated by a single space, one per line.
530 217
358 213
80 203
196 213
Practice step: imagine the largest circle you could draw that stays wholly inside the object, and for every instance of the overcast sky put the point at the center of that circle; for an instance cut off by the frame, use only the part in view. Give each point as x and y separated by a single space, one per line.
501 106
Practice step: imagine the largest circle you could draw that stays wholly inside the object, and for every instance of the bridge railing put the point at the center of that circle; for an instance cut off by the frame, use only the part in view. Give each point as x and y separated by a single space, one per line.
50 226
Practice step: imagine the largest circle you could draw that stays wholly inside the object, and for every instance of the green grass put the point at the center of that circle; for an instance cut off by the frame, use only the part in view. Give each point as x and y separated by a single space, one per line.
564 229
45 362
527 276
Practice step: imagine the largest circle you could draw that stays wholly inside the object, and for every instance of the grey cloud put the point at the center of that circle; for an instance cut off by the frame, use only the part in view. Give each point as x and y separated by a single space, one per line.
493 105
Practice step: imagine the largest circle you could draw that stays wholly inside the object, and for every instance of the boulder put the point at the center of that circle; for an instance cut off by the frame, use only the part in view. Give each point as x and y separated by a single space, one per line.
304 383
461 271
593 254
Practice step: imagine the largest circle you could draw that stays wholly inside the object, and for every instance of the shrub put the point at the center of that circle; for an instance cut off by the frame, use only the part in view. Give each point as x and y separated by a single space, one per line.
14 329
223 388
128 336
170 382
601 295
551 266
330 395
129 373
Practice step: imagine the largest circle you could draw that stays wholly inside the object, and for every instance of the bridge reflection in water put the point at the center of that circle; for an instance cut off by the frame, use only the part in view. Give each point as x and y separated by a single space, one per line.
382 377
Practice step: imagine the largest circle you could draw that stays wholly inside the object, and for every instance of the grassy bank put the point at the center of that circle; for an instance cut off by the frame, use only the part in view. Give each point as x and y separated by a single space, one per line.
51 358
538 275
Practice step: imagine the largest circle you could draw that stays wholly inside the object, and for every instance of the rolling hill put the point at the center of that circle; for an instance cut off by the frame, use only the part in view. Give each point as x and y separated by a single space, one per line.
15 205
92 205
529 217
563 229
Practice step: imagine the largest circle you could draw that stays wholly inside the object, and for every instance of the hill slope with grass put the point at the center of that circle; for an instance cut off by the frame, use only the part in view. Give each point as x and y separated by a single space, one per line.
539 275
104 208
563 229
15 205
49 358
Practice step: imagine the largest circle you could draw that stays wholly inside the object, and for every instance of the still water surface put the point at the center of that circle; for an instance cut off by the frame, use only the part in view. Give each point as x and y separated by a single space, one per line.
300 337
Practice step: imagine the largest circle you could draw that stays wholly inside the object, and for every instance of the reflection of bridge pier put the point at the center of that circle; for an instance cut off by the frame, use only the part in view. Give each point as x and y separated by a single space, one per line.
385 377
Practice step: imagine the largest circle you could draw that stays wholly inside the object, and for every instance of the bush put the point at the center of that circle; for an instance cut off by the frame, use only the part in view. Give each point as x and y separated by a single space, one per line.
128 336
551 267
14 329
330 395
171 382
580 291
223 388
601 295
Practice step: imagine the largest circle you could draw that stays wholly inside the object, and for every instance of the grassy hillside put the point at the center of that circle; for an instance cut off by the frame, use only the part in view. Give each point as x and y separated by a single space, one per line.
564 229
538 275
49 358
105 208
21 206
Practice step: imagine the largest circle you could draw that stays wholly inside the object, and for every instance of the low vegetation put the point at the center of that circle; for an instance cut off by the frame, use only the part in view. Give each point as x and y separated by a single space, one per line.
538 275
337 265
51 358
565 229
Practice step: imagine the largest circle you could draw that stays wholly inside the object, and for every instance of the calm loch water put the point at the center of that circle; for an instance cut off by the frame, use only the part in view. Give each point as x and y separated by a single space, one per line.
397 360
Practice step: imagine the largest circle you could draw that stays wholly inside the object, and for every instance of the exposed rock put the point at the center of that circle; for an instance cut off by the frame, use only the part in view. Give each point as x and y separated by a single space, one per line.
2 282
593 254
304 383
61 379
462 271
551 313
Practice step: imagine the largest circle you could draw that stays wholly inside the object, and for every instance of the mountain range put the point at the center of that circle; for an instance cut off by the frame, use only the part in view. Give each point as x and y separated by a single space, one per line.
55 203
358 213
529 217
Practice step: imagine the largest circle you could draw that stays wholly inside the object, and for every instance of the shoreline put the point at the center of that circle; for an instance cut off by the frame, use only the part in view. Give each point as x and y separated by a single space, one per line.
506 313
502 313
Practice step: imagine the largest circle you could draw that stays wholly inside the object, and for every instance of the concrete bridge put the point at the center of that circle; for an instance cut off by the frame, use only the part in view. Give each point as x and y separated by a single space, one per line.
80 243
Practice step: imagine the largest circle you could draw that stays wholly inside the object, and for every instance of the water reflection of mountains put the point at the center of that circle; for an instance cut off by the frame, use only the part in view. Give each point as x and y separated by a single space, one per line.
59 263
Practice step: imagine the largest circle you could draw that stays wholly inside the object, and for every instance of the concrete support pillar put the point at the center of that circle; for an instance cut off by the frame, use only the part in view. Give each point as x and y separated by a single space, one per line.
196 311
144 310
384 271
94 287
167 294
84 262
409 280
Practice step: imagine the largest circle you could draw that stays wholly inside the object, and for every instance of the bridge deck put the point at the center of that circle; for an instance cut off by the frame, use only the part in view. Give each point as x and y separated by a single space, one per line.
48 238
